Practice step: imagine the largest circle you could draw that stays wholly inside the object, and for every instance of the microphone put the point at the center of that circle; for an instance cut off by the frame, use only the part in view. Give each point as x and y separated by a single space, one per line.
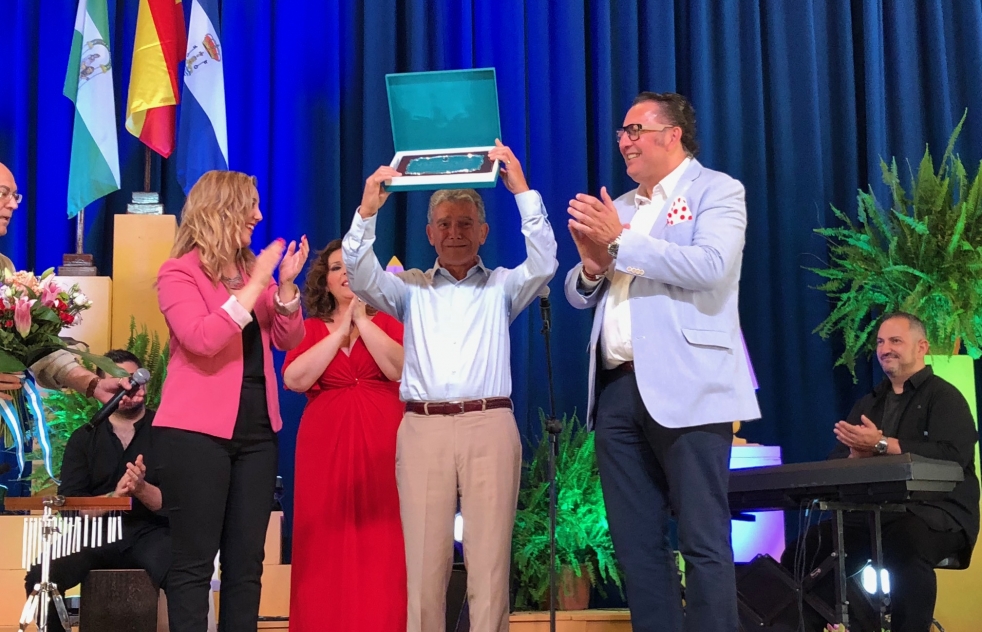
545 308
140 377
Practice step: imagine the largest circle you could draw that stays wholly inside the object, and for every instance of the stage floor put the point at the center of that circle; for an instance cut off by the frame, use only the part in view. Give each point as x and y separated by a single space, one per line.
582 621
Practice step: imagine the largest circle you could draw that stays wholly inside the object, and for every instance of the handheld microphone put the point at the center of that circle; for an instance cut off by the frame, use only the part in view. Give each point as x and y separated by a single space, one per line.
140 377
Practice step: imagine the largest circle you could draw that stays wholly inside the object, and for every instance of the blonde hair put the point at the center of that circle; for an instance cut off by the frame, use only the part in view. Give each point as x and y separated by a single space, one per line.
214 215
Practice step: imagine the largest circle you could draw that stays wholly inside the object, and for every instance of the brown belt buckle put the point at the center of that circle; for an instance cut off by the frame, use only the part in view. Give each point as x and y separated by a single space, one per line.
426 408
484 404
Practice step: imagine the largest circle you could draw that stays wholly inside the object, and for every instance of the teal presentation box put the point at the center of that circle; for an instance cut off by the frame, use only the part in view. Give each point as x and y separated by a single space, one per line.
443 125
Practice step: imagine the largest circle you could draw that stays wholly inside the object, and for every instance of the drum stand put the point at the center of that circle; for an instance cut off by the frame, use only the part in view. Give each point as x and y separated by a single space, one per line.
45 591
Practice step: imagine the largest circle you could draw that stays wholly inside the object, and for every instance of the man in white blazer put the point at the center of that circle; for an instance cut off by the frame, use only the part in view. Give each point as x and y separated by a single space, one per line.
668 369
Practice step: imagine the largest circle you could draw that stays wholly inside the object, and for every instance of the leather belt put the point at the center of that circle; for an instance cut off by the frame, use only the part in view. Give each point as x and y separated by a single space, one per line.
458 408
627 367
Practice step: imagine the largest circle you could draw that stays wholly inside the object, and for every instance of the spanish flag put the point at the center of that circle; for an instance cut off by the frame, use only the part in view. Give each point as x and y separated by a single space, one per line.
154 93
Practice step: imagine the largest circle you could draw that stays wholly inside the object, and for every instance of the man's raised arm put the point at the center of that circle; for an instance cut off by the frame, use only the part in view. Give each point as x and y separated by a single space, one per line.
366 278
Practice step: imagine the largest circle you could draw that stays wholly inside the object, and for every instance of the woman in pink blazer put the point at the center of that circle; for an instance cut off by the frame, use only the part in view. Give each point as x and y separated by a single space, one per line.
219 411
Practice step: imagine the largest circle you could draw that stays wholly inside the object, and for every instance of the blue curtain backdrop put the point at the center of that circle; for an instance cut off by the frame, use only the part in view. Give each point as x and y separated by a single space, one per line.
797 99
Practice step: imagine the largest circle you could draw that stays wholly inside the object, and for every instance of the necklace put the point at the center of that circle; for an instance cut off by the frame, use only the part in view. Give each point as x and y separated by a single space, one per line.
233 283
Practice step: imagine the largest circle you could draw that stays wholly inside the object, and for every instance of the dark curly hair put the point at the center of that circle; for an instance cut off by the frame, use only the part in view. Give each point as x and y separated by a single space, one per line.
318 300
679 112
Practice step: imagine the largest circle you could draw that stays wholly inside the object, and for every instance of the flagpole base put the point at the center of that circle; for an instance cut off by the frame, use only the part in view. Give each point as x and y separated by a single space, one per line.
145 203
77 265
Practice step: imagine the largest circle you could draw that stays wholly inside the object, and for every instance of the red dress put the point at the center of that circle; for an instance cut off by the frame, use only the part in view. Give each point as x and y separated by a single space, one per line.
349 563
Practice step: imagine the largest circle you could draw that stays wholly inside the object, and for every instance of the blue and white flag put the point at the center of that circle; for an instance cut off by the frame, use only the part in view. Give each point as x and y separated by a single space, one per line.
202 137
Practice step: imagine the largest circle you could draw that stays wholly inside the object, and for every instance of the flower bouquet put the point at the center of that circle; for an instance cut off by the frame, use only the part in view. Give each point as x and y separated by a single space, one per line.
33 311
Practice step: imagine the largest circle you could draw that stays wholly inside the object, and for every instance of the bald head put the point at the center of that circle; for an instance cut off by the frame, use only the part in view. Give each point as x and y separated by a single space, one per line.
8 197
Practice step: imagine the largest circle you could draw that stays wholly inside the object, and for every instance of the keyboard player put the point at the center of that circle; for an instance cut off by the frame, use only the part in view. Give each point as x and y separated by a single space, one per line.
911 411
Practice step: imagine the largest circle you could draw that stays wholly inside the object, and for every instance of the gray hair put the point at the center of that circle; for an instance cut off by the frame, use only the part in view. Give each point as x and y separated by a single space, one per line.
916 324
456 195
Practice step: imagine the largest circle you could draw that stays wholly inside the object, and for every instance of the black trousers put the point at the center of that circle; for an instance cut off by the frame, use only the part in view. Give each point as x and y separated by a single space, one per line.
219 494
148 549
911 549
648 473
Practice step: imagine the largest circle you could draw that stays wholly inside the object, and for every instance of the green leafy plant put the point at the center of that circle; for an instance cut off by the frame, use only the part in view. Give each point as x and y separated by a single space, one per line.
67 410
582 536
922 255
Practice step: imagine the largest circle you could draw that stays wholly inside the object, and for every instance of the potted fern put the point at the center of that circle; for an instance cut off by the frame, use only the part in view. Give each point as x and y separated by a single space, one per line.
584 551
922 254
69 410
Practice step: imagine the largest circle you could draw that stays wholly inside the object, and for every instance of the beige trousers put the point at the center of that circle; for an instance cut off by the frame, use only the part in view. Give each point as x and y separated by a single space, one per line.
478 456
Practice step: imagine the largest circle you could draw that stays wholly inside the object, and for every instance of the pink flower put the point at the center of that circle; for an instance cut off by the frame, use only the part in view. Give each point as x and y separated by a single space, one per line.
49 293
22 316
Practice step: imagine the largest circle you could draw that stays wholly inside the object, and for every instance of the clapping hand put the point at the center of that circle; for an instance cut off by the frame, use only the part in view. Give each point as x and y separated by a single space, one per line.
861 438
344 323
510 169
133 480
595 219
595 258
266 262
359 311
294 260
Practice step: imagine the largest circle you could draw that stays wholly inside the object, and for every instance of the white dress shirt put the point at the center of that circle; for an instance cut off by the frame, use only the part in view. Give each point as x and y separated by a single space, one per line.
615 332
456 332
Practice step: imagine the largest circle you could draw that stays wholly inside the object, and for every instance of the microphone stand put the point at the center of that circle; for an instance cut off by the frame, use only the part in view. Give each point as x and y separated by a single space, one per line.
553 427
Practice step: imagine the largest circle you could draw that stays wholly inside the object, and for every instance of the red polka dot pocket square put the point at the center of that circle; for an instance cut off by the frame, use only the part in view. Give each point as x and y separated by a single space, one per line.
680 212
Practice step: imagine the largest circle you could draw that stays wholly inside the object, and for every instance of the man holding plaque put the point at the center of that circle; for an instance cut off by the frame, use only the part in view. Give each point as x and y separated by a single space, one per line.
661 265
459 432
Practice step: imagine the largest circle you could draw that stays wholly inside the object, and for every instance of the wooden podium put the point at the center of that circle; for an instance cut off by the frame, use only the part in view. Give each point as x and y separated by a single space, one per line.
95 329
141 244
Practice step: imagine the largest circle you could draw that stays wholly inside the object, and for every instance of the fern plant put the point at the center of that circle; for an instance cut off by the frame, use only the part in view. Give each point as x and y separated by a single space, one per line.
67 410
582 535
922 255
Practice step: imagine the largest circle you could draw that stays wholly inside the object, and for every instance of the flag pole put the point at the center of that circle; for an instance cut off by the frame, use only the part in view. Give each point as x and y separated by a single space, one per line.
80 232
146 169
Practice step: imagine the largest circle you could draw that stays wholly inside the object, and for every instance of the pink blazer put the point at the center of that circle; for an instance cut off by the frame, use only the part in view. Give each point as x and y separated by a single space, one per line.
204 375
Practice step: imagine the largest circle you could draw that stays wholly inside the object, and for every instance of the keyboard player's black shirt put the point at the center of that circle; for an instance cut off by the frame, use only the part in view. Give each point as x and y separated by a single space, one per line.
95 460
932 419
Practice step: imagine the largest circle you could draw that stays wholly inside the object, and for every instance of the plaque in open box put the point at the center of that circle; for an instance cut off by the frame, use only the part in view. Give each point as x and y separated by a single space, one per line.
443 126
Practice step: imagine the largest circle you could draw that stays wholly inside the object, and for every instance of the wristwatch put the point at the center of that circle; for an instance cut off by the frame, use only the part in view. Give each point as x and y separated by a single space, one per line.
614 246
881 446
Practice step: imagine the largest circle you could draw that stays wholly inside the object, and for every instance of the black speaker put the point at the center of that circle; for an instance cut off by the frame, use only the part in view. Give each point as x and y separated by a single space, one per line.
458 618
767 600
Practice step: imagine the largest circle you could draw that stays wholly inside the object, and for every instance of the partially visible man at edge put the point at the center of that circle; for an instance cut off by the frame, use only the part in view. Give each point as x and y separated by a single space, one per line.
60 369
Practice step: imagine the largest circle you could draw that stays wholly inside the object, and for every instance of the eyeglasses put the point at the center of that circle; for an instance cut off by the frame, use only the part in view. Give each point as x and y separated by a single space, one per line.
5 192
635 130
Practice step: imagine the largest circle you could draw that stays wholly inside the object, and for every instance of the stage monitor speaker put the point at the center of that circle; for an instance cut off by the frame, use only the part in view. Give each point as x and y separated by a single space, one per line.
458 617
766 597
767 600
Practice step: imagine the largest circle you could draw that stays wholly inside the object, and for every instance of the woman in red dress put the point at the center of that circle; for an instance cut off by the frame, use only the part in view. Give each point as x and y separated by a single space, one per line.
349 564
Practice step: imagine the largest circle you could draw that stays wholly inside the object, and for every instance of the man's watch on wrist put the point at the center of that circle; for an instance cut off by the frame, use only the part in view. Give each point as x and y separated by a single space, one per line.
90 389
881 446
614 246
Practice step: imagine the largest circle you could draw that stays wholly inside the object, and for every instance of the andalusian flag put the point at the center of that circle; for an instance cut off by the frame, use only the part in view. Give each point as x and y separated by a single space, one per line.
157 53
202 135
94 169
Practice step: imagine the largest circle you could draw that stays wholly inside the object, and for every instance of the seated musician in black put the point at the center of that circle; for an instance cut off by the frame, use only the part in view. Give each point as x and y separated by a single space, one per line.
114 458
911 411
